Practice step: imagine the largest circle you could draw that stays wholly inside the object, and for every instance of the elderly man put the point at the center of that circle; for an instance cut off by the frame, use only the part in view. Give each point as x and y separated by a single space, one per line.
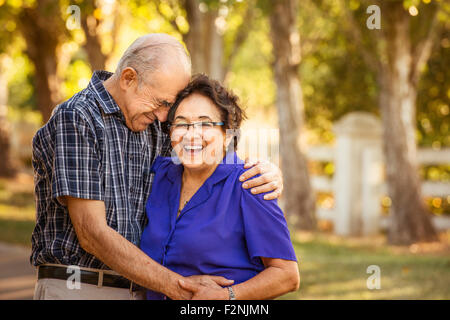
92 179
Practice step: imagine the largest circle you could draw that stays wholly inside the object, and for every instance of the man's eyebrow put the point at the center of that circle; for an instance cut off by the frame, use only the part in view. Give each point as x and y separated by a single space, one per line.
165 102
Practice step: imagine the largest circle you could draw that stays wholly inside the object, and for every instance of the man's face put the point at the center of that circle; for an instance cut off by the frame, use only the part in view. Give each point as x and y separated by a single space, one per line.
151 99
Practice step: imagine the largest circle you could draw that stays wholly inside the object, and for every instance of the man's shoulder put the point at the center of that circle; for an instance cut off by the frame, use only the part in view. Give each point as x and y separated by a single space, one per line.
80 108
82 104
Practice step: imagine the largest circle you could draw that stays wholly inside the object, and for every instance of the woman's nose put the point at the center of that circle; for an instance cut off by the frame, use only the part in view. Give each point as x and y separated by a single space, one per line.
193 131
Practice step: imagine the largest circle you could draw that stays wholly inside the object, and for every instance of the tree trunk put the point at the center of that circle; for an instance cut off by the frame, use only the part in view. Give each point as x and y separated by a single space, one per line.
204 41
42 27
93 47
93 44
410 220
6 167
299 197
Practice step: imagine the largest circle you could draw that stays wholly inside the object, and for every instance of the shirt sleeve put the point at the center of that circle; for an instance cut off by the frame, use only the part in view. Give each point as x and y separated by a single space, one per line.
77 166
266 231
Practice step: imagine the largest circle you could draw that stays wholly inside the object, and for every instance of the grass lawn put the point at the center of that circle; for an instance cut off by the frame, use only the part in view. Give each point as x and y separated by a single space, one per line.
335 268
331 267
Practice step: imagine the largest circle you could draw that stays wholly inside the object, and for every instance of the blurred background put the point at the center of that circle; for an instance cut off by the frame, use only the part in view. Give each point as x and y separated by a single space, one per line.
350 98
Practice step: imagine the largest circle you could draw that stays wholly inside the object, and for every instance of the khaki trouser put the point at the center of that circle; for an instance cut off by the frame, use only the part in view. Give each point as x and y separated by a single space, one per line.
56 289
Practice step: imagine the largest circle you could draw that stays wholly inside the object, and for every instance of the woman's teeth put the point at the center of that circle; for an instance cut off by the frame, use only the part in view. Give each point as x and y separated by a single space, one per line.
193 151
193 148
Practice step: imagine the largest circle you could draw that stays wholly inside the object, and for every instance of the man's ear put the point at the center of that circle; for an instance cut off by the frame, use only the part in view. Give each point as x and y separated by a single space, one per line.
128 78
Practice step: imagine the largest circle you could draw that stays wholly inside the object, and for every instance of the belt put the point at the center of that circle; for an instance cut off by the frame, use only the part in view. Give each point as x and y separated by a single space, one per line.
97 278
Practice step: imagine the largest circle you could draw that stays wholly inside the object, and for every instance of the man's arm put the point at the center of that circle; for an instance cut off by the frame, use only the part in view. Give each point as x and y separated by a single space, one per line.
270 179
96 237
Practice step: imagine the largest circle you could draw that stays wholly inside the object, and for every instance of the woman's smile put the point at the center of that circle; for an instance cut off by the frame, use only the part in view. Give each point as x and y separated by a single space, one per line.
193 150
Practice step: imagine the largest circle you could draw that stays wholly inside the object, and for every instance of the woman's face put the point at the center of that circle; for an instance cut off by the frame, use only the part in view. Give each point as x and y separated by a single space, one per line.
198 146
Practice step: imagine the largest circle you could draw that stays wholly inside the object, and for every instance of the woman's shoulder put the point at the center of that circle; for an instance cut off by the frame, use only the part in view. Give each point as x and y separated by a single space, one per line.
232 167
236 172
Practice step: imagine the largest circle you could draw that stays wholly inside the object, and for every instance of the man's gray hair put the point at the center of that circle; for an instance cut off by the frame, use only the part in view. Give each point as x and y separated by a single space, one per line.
151 53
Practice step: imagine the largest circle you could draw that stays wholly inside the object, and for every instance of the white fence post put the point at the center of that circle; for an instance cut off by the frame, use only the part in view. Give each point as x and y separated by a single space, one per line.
372 176
358 145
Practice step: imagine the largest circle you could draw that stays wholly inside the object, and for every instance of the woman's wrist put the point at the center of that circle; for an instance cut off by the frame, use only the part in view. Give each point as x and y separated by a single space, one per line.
230 292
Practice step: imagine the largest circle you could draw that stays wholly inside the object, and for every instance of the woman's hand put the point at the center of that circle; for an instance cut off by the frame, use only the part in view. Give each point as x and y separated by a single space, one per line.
203 292
270 179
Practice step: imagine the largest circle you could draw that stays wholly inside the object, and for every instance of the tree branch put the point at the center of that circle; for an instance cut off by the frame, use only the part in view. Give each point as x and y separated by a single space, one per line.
422 51
171 21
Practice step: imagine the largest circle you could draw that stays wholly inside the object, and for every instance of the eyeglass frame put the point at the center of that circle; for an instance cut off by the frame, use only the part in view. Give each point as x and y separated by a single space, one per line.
194 124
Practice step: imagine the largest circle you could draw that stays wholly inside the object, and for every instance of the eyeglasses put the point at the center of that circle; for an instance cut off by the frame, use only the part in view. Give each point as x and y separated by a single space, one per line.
203 126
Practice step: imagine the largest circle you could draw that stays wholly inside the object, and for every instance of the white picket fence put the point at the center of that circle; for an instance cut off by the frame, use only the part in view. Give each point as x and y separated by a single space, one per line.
357 184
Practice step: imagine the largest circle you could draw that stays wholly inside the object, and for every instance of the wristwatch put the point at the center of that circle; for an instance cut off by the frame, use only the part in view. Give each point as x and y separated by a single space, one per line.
231 293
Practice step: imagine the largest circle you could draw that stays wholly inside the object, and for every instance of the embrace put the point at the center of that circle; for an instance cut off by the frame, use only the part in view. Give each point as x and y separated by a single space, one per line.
139 190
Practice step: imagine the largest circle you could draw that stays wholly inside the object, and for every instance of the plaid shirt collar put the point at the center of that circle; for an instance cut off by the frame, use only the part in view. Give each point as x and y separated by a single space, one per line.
102 95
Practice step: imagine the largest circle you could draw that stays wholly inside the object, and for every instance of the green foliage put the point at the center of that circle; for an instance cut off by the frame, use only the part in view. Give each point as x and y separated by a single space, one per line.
433 102
335 80
251 76
21 84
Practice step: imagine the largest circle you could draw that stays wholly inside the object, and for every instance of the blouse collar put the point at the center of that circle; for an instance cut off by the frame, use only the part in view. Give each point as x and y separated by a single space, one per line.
223 170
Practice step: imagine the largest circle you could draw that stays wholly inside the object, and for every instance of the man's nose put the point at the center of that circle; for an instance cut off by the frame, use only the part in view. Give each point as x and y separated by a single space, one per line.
161 114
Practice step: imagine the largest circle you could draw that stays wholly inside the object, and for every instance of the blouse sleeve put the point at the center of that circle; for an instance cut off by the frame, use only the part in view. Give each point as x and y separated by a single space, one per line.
160 163
265 227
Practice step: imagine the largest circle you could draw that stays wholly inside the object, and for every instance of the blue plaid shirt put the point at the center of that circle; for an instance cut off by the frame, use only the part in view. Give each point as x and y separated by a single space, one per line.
86 151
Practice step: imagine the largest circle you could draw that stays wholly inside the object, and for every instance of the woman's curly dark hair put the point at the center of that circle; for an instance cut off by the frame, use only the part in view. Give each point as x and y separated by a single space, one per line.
225 100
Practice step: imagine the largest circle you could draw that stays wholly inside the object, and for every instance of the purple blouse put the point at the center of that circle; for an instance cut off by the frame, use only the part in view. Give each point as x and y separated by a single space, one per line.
223 230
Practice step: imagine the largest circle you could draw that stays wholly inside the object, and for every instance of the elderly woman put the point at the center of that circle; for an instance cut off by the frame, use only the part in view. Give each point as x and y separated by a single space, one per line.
201 221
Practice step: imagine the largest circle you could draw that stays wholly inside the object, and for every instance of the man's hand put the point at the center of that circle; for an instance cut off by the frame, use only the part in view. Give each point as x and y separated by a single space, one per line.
214 282
201 292
270 179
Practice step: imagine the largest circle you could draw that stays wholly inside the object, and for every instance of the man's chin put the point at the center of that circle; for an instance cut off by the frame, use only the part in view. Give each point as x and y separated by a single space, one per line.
141 126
